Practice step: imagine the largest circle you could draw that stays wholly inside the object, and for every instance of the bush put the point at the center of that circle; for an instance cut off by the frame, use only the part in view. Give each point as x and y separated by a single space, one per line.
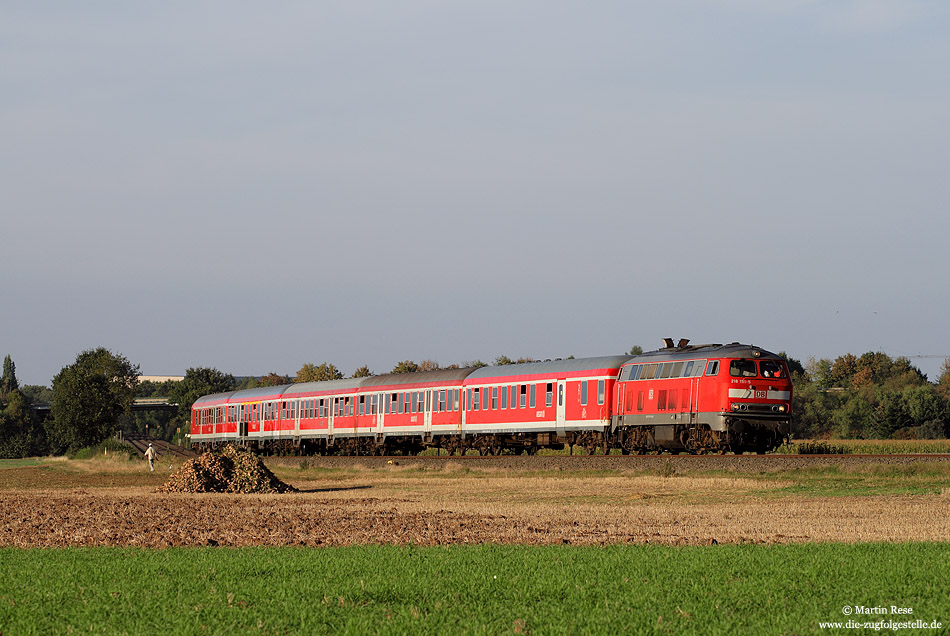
108 447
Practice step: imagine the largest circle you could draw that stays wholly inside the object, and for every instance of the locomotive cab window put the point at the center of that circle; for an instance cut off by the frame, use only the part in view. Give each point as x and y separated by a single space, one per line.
742 368
712 368
771 369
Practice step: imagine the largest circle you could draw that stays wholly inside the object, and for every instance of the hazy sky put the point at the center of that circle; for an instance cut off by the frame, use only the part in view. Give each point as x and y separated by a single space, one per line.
254 186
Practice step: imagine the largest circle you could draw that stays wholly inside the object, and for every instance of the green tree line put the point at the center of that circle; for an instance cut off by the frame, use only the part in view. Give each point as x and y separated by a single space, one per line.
867 396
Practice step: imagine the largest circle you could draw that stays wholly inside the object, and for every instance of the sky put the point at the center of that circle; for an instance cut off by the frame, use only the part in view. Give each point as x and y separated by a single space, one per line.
254 186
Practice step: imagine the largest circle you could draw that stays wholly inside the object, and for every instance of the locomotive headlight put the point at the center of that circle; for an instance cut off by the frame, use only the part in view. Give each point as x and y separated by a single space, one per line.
781 408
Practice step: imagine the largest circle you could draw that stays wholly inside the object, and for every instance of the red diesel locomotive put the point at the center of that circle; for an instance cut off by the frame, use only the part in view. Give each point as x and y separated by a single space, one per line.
682 398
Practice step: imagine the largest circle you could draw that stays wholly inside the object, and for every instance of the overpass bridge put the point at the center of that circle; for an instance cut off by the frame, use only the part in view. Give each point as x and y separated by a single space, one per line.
140 404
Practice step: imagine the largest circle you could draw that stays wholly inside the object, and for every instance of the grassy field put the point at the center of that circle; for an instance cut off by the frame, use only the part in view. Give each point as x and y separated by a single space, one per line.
747 547
485 589
872 446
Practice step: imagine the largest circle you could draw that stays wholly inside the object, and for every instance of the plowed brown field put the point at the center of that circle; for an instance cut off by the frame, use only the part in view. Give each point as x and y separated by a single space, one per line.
451 502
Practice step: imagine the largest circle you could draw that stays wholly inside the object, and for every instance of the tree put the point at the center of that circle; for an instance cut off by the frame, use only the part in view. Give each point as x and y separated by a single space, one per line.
273 379
322 373
362 372
197 382
406 366
20 432
943 382
820 372
8 381
429 365
89 396
635 350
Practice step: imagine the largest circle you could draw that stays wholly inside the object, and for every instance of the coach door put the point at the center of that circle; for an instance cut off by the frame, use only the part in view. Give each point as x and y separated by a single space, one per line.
561 398
427 421
693 400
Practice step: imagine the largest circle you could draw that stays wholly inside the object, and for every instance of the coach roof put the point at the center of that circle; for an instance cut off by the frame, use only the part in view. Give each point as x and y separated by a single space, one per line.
329 385
554 367
420 377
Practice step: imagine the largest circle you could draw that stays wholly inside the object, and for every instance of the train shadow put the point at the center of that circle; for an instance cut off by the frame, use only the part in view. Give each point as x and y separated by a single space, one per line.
335 489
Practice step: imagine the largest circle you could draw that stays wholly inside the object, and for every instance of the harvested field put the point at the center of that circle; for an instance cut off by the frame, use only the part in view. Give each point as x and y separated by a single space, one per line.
456 502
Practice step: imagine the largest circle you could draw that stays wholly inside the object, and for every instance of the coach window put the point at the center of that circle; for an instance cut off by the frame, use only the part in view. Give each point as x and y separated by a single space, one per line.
524 395
742 368
514 397
494 398
475 395
583 392
712 368
601 391
486 396
532 399
548 394
504 397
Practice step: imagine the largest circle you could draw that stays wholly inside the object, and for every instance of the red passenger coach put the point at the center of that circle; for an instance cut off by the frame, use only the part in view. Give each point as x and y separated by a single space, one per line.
541 404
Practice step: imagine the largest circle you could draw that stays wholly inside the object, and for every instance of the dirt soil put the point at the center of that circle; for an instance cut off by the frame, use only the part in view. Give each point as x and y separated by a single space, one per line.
455 502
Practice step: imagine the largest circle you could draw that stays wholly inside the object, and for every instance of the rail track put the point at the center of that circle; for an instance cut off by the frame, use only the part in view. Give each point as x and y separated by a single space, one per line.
766 463
163 448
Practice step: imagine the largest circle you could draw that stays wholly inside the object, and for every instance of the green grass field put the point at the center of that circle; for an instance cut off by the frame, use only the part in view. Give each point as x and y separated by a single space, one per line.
744 589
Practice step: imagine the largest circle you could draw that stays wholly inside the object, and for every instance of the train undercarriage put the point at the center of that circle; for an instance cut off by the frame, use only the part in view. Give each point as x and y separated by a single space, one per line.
739 436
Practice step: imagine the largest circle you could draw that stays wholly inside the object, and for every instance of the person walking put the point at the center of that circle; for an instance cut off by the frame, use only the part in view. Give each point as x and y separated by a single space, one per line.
150 456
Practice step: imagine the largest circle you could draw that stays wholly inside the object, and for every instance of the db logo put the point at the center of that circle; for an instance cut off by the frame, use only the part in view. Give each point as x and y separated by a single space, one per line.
760 394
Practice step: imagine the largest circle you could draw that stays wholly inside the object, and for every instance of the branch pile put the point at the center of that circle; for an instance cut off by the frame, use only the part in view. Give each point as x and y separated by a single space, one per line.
232 470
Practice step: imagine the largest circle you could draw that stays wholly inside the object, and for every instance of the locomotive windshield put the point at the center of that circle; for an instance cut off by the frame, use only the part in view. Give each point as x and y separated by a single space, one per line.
747 369
771 369
742 369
